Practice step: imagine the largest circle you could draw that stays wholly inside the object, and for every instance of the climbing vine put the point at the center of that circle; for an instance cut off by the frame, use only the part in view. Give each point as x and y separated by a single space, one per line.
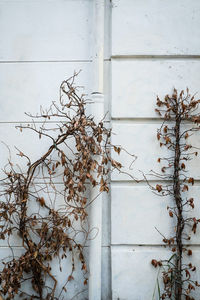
181 119
46 230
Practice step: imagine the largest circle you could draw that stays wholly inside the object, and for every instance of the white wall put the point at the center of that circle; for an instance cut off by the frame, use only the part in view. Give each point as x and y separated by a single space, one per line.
155 47
42 43
150 46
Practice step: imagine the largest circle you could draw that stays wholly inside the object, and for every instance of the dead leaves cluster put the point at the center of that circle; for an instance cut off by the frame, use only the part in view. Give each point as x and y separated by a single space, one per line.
49 233
175 109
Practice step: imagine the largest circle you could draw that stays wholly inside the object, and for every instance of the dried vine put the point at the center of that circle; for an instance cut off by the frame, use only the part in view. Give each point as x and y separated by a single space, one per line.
181 120
48 232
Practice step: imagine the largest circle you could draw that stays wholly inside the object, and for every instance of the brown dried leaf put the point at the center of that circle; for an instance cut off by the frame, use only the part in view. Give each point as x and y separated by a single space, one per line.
159 187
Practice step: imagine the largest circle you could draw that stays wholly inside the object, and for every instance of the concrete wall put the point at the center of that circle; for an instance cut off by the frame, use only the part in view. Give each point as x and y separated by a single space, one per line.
150 46
155 47
42 43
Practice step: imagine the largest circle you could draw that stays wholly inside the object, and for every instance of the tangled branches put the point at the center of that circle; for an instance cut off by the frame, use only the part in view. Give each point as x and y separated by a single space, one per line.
26 207
180 122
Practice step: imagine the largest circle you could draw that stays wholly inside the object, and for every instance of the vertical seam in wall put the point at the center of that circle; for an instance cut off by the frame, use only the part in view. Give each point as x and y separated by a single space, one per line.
107 282
110 119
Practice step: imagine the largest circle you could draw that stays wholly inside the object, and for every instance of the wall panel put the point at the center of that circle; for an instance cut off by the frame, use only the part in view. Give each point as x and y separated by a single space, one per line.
45 30
155 27
27 86
133 276
137 82
140 139
137 212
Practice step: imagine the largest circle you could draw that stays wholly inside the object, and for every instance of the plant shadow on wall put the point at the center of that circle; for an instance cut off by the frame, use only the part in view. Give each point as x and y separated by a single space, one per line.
48 231
181 119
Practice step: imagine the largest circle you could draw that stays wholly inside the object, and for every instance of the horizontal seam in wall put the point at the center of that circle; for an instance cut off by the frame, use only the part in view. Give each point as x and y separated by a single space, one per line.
49 61
21 247
44 61
113 120
142 183
133 183
149 245
30 122
116 245
152 56
141 120
39 122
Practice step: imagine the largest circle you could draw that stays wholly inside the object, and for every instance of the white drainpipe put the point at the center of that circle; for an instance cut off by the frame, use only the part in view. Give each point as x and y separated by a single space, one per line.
98 113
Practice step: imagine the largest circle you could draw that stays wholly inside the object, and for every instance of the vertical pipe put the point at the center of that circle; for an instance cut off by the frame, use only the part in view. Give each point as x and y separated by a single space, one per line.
98 113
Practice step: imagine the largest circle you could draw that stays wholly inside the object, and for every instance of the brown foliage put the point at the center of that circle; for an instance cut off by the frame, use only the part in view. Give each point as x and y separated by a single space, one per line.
48 232
174 135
